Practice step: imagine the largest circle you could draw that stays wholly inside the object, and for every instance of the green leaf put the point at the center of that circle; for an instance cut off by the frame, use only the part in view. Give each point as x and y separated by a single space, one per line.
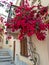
3 27
39 0
6 41
1 4
7 11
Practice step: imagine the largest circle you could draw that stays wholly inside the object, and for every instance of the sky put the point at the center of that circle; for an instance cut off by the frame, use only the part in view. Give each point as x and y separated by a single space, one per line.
2 9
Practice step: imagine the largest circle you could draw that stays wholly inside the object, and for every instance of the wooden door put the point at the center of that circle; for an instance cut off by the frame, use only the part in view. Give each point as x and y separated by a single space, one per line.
23 45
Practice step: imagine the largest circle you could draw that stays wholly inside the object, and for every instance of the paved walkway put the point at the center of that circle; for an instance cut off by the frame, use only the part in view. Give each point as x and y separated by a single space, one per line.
6 63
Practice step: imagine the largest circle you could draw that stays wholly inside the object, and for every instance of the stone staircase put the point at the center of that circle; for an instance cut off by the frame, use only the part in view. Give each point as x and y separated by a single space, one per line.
6 59
4 56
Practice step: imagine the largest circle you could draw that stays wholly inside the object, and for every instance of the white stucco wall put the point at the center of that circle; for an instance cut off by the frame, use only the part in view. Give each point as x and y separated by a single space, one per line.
42 50
48 44
42 47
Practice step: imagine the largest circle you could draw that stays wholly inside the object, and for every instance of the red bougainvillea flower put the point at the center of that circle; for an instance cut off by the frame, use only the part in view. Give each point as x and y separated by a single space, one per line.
6 33
11 3
9 37
1 19
40 35
43 10
42 26
1 29
21 35
47 25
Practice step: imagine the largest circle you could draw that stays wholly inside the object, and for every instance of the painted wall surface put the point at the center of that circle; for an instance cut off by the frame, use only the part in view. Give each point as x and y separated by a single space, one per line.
42 50
42 47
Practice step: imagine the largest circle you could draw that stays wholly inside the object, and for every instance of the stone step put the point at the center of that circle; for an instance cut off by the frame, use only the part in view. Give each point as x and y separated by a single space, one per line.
6 63
5 56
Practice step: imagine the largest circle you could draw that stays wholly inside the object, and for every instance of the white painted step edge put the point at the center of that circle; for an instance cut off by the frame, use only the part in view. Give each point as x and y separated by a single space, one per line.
22 58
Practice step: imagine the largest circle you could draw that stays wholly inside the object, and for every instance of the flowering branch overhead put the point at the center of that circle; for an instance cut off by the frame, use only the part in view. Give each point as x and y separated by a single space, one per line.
30 20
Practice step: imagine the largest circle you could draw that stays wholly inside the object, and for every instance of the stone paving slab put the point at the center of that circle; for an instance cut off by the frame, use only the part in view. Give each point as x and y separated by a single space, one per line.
6 63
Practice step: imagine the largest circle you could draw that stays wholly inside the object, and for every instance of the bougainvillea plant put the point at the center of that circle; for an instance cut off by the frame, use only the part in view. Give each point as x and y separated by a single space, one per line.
30 21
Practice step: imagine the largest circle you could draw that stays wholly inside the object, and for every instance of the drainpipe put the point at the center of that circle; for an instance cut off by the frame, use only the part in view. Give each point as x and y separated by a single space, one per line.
14 48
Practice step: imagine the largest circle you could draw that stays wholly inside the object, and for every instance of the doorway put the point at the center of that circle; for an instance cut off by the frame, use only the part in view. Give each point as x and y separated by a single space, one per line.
23 46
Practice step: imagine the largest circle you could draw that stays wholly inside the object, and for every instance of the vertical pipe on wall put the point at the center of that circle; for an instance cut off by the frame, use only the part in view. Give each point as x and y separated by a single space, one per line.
14 50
